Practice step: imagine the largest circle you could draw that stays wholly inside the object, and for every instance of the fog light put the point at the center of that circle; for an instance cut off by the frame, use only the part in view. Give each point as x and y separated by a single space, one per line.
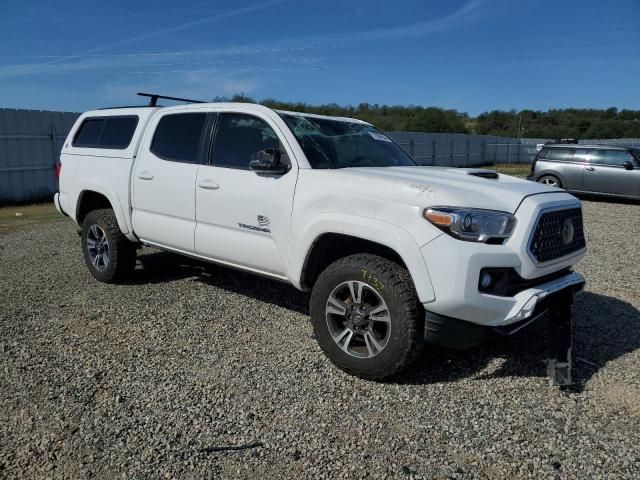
485 281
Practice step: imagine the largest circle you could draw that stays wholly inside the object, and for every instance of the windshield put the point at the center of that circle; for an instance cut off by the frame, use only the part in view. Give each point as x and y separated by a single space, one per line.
341 144
636 153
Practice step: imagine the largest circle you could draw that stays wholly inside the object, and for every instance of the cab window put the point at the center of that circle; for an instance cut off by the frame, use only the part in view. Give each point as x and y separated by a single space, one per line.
179 137
239 137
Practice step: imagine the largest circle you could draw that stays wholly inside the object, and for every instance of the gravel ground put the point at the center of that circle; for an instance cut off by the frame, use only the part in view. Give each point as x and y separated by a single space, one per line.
138 381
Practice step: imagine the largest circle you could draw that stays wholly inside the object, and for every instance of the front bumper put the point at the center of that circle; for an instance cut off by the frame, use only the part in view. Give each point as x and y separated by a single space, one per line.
455 333
528 300
455 266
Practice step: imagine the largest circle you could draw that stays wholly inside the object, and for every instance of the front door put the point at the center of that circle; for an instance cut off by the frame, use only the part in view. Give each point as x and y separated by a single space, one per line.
574 169
164 181
243 218
606 173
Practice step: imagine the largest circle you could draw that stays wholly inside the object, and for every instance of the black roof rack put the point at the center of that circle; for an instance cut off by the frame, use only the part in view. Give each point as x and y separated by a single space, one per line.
123 106
153 98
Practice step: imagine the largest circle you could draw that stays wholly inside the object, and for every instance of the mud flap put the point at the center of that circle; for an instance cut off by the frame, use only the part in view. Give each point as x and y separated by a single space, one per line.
559 362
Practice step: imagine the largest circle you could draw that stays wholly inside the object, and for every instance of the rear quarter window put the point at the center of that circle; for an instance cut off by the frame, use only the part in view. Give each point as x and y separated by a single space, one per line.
113 132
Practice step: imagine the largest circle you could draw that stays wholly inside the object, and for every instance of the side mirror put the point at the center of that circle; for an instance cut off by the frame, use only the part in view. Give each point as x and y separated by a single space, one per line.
628 165
268 161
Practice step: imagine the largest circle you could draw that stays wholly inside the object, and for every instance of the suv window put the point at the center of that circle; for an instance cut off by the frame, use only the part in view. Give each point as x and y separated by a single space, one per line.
239 137
610 157
178 137
106 132
581 155
560 154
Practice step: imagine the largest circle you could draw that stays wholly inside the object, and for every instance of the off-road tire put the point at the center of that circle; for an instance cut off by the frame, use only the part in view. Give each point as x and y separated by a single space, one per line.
394 284
122 252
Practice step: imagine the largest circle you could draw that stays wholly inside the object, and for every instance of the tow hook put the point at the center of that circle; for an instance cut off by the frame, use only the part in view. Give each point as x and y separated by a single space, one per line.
560 362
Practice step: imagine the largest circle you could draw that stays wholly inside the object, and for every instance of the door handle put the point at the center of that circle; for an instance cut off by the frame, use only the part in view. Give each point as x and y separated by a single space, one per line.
208 185
145 175
591 169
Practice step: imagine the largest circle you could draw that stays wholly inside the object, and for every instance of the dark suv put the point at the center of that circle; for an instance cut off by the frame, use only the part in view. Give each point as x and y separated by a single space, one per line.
596 169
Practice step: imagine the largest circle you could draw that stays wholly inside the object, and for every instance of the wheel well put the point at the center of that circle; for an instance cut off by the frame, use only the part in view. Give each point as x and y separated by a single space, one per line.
89 201
551 173
330 247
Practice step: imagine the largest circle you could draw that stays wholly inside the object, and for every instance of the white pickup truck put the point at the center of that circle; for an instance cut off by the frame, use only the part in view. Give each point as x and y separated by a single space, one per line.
395 255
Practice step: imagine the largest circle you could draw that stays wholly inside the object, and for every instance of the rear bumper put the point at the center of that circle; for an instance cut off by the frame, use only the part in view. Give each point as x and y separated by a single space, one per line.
59 200
531 304
56 202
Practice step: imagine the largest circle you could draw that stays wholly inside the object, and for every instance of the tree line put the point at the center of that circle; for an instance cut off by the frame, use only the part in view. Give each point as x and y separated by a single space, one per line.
554 124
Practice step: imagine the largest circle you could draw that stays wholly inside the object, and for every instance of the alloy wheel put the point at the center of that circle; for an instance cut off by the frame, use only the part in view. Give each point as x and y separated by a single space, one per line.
98 247
358 319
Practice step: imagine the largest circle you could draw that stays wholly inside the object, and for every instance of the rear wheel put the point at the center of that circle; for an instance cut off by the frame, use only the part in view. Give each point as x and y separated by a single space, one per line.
367 317
108 254
550 180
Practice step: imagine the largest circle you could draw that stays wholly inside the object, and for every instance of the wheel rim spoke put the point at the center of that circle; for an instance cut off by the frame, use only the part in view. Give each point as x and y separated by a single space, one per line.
380 313
336 306
343 339
373 347
355 289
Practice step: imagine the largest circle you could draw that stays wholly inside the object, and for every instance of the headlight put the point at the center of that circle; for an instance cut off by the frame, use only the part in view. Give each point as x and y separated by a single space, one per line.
470 224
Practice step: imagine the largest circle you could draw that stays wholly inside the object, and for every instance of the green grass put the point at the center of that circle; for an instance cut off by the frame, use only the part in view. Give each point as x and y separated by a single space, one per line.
515 169
17 217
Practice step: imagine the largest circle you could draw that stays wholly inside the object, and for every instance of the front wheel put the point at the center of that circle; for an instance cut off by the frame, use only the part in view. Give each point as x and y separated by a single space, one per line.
108 254
367 317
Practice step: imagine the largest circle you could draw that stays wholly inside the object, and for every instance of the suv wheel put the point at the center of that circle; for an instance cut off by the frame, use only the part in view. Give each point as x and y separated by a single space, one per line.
107 252
367 317
550 180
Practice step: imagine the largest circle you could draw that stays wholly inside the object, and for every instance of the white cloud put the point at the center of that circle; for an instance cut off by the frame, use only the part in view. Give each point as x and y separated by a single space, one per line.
468 13
198 60
22 69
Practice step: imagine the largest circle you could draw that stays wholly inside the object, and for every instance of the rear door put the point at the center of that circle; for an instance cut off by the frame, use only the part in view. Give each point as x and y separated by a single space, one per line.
606 173
244 217
164 178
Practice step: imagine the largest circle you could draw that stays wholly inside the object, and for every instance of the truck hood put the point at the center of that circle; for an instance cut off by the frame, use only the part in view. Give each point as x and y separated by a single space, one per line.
444 186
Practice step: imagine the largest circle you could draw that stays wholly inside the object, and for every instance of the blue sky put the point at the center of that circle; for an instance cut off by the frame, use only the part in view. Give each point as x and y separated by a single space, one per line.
470 55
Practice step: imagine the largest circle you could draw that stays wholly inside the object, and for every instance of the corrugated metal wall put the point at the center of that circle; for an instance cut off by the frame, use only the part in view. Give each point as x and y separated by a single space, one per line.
462 150
30 143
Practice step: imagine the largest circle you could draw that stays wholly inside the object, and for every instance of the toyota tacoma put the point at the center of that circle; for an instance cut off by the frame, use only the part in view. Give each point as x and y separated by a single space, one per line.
395 255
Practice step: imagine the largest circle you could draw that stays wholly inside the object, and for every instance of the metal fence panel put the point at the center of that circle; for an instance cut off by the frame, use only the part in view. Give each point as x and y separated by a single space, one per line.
31 140
462 150
30 144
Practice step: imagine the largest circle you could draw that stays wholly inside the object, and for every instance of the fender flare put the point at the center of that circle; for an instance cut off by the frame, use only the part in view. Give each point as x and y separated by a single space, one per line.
373 230
113 200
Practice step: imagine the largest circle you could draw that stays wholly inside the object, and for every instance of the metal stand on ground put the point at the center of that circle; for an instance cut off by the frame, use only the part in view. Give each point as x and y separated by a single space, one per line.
559 363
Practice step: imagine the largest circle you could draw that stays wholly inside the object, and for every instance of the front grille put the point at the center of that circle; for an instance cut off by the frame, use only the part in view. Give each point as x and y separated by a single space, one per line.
558 233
